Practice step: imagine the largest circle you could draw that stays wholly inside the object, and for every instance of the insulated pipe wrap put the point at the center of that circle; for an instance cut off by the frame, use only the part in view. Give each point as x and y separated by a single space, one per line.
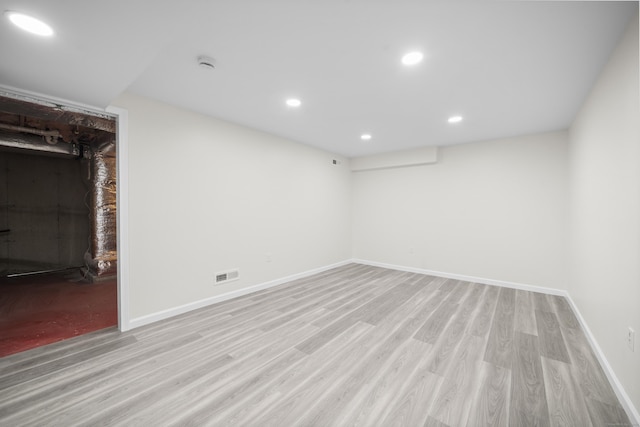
104 255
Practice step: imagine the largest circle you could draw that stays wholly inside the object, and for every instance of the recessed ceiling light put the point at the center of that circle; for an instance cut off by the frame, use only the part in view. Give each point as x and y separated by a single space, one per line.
294 102
455 119
29 23
412 58
365 136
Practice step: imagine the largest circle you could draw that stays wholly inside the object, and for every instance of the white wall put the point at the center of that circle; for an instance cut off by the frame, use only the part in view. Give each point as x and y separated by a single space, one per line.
206 195
559 210
604 155
494 210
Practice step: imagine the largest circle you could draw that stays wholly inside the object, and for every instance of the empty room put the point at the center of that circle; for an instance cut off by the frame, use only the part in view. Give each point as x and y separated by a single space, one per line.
329 213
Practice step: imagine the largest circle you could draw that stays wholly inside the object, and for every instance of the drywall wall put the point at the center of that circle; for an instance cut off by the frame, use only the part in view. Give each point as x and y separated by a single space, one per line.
206 196
494 210
604 154
43 216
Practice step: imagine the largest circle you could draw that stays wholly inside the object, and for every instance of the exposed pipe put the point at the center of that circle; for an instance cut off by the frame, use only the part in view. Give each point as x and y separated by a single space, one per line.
32 143
102 258
51 136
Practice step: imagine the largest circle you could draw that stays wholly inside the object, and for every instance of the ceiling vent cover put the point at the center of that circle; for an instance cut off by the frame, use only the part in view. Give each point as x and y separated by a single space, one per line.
206 62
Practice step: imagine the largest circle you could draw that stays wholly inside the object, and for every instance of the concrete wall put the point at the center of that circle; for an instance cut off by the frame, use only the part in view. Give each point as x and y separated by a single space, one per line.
42 202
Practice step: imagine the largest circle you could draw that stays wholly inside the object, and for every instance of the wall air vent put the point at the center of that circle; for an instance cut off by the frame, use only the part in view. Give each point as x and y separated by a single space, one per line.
227 276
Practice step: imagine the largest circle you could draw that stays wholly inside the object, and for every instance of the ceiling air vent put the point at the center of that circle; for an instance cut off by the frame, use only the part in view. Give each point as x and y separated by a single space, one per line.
206 62
227 276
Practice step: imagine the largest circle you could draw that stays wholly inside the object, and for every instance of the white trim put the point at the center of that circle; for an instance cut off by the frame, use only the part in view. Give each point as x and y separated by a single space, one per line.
122 194
31 96
626 402
473 279
630 409
170 312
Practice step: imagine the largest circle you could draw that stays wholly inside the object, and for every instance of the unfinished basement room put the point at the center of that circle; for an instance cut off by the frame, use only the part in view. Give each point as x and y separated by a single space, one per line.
58 256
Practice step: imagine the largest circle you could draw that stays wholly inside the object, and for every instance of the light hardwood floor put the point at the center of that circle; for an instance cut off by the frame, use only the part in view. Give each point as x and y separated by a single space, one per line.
356 345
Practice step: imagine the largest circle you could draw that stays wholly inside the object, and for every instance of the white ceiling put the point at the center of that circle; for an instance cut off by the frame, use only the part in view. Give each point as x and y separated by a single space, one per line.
509 68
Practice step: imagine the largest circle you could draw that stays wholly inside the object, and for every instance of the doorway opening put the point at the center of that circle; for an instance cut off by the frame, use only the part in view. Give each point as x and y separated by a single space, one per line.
58 254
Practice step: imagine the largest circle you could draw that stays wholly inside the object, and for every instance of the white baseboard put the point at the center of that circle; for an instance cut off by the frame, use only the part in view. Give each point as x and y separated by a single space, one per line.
473 279
174 311
626 402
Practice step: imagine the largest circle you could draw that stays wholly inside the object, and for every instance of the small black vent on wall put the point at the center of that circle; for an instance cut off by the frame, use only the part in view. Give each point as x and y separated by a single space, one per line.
227 276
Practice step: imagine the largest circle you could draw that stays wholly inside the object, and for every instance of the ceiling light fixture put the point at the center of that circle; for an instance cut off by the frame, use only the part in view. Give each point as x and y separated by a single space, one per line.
294 102
29 23
365 137
412 58
455 119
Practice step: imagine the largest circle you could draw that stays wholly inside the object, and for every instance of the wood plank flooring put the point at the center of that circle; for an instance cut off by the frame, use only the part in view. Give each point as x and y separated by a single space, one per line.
353 346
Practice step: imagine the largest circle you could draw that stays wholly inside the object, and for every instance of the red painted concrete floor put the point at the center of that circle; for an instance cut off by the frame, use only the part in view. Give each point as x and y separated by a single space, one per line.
42 309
